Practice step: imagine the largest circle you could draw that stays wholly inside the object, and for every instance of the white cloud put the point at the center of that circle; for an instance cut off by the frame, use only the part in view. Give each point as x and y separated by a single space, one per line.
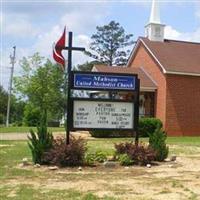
22 28
18 25
171 33
82 40
81 21
44 41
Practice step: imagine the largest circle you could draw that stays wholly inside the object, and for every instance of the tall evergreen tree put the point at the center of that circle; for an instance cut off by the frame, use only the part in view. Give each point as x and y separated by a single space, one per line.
109 44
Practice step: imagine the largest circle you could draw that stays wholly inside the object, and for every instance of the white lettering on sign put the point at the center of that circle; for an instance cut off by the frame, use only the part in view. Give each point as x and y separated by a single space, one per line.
98 114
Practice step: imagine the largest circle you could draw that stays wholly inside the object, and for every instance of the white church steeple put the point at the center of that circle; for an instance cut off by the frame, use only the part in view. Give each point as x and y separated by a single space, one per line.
154 30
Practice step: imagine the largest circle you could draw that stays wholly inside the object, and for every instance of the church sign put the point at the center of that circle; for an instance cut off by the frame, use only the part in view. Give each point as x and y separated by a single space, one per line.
103 81
106 114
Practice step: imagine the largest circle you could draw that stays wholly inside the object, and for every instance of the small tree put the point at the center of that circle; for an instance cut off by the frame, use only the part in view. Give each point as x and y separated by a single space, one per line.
157 141
42 84
109 44
41 141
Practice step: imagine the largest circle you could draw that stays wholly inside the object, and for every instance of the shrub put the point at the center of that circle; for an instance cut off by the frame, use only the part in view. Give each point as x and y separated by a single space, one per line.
157 141
98 156
39 142
89 159
125 160
147 126
63 155
110 133
123 148
140 154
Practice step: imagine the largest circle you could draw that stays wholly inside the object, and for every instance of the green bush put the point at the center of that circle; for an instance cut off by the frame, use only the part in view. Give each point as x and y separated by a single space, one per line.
98 156
89 159
110 133
147 126
125 160
157 141
39 142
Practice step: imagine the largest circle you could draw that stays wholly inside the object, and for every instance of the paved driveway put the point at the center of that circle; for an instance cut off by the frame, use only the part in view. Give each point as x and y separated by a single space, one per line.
23 136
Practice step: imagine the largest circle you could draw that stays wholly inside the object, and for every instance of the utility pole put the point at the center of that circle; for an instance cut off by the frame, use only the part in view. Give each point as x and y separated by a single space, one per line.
12 60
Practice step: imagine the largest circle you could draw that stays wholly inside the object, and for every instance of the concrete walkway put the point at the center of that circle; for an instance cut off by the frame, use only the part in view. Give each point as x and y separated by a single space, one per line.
13 136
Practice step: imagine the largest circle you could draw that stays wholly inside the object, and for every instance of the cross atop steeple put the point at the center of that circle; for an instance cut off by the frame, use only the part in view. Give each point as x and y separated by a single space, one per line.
154 30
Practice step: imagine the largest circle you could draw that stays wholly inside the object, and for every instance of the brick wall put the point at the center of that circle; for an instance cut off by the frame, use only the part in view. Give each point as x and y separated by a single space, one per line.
144 59
183 105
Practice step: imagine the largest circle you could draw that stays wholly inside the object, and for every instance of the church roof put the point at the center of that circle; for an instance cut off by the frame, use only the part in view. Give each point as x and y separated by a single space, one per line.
146 83
174 57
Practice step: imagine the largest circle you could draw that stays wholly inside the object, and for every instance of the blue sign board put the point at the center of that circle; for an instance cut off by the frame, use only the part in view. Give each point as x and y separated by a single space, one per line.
104 81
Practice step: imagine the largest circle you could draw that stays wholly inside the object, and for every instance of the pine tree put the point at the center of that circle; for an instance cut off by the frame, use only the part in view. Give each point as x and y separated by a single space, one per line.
109 44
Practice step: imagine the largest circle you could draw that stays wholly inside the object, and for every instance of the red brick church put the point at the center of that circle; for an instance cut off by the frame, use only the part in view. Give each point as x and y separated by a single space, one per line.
169 73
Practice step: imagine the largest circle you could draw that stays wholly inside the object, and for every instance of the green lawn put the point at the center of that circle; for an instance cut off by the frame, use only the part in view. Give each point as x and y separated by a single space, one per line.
29 183
11 155
193 141
24 129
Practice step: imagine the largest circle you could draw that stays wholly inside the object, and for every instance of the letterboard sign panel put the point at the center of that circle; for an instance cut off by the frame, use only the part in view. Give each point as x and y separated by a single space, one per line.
103 81
103 115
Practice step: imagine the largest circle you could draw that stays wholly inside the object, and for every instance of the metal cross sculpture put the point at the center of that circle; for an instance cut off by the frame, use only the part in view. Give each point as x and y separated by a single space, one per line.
70 49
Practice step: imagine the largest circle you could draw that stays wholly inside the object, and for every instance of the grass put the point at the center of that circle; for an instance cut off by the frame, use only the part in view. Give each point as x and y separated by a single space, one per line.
29 192
25 129
182 141
19 183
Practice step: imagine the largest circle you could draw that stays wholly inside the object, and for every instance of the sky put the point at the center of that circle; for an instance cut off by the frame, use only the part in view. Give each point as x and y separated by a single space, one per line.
33 26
